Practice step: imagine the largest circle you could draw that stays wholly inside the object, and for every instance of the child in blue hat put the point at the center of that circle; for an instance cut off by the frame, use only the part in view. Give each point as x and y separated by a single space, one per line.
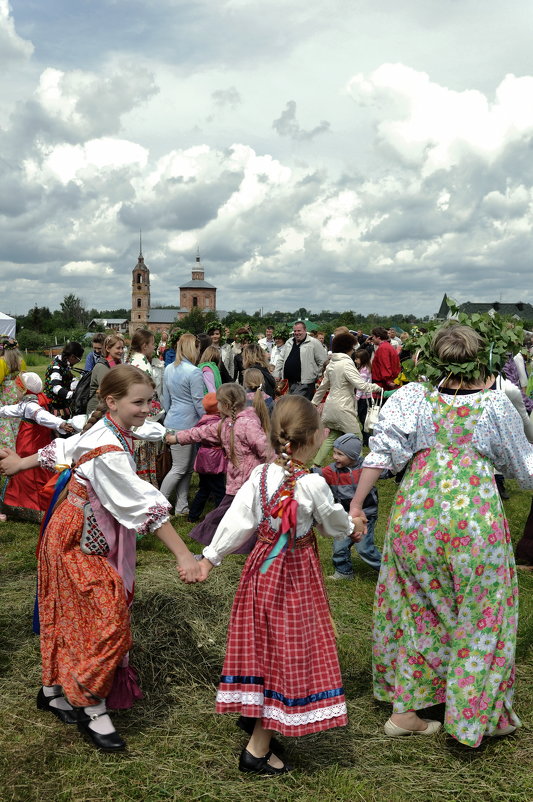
342 476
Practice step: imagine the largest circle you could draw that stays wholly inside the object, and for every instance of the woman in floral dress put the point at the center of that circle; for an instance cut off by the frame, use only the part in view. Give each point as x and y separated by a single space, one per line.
446 607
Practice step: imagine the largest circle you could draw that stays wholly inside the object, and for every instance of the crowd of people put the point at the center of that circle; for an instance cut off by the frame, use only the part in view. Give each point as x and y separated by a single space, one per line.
278 430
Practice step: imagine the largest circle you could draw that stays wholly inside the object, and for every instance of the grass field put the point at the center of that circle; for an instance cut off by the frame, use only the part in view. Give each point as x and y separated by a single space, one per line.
180 750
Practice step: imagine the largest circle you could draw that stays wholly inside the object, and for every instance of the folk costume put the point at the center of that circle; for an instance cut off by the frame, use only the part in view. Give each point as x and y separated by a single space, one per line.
86 564
21 494
446 607
281 663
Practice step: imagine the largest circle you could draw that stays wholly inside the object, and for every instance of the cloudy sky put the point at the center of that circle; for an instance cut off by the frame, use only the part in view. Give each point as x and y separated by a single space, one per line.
335 154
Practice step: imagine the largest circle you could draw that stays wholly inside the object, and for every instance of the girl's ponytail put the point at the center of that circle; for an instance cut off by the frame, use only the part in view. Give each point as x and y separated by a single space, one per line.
232 400
253 382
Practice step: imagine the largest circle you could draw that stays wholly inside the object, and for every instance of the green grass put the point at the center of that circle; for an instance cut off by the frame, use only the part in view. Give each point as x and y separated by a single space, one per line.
180 750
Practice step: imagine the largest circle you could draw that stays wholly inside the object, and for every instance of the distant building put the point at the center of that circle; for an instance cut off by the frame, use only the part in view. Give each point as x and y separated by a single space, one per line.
518 310
195 293
116 323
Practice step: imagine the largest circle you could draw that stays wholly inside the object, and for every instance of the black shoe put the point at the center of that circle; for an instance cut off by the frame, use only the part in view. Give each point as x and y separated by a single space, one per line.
259 765
500 483
247 724
107 743
66 716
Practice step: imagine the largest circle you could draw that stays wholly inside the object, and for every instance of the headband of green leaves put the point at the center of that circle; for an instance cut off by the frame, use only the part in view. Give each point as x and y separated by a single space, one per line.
501 337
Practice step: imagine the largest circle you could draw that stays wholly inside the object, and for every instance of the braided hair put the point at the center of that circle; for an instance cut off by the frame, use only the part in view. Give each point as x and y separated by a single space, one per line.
117 383
232 400
253 383
294 424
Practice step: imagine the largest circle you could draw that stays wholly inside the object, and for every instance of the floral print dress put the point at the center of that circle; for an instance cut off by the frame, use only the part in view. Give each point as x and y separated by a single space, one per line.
446 607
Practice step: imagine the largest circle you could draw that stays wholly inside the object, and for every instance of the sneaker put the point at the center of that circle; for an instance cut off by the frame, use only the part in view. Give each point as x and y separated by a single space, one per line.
183 511
339 575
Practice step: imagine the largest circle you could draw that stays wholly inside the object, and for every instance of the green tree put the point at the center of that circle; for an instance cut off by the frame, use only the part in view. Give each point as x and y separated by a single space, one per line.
197 321
73 312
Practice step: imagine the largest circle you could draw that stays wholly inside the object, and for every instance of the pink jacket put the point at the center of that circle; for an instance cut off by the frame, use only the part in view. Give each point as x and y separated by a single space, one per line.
210 459
251 445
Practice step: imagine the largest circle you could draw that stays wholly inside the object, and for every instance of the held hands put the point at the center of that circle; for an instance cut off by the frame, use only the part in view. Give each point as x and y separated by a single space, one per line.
192 570
359 520
9 462
359 528
171 439
188 569
66 427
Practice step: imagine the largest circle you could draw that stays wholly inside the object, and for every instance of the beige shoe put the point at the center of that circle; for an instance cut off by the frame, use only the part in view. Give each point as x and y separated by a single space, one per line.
393 730
502 731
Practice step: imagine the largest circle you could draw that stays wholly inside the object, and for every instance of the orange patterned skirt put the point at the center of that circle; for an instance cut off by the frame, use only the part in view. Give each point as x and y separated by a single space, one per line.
84 618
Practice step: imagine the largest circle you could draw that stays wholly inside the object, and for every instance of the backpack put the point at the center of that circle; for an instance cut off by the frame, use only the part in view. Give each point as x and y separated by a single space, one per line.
80 397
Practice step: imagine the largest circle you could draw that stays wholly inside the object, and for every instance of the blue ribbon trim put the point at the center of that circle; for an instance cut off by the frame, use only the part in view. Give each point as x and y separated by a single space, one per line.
305 700
229 679
279 697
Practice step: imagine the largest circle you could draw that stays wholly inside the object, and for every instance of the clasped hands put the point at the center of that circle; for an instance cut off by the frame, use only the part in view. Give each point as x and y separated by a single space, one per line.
359 520
192 570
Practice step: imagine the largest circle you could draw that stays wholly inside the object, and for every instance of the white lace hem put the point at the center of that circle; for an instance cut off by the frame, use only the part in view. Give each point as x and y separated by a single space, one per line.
309 717
296 719
240 697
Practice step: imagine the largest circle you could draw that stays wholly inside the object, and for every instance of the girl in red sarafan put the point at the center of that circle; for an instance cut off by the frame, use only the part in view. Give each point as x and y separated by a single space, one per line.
86 559
281 666
22 494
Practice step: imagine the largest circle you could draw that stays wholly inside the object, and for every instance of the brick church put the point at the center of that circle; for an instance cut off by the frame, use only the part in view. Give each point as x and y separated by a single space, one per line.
194 293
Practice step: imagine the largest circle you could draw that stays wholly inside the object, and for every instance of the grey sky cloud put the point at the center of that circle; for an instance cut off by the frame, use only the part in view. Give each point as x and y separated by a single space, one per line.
226 97
288 125
410 195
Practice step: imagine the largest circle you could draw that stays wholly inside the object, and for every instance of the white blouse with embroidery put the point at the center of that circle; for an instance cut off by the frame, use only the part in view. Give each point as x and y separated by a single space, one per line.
405 426
134 503
315 505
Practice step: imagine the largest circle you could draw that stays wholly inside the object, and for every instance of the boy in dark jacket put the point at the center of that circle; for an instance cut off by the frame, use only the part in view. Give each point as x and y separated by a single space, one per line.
342 476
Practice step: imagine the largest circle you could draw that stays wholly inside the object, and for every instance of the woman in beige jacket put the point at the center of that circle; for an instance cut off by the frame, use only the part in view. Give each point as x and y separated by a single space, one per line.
341 379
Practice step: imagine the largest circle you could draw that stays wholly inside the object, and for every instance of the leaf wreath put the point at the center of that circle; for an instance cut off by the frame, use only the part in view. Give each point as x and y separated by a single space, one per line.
501 337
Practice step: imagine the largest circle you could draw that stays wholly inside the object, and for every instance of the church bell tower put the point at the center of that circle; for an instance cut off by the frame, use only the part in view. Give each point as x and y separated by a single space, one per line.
140 293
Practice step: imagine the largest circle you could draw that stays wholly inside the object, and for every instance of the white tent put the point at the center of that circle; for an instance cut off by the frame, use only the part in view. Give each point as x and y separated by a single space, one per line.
7 325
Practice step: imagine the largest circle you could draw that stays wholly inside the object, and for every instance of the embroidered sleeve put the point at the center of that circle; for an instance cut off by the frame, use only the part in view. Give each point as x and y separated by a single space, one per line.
134 503
156 516
48 456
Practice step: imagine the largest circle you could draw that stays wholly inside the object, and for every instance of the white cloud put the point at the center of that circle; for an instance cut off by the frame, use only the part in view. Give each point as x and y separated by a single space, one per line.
13 48
93 269
87 104
82 162
433 127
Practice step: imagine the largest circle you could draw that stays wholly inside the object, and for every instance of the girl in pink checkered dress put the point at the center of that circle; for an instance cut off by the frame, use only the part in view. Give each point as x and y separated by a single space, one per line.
281 670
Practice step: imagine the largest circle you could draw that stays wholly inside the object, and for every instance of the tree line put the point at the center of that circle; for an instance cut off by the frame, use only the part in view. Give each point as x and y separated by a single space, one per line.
41 327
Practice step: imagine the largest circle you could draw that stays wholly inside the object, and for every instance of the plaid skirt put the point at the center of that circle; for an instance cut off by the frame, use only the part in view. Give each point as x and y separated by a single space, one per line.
281 663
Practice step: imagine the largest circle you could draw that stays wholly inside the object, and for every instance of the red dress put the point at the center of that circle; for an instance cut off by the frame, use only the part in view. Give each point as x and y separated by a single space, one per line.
23 490
281 663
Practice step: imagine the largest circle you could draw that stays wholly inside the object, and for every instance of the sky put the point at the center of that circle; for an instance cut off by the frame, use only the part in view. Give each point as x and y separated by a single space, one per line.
341 154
